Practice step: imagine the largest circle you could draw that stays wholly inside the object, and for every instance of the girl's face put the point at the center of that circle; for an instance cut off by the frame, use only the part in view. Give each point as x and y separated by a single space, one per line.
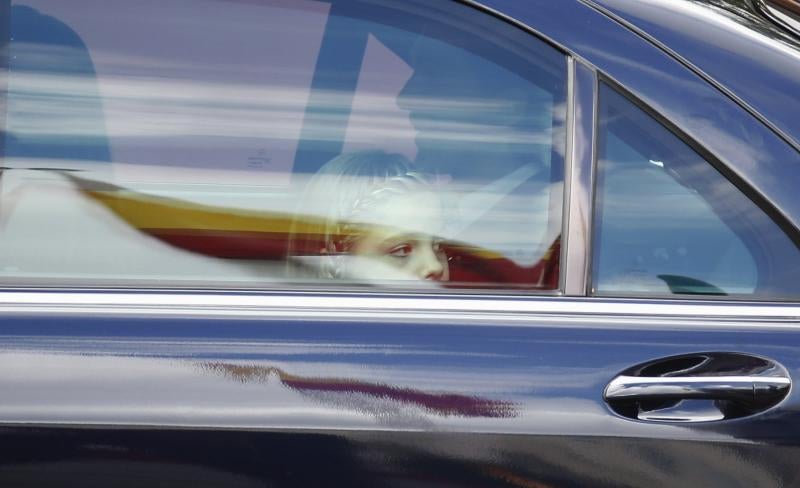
401 242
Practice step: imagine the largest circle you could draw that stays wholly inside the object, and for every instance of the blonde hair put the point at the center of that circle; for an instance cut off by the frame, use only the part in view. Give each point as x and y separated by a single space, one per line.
336 197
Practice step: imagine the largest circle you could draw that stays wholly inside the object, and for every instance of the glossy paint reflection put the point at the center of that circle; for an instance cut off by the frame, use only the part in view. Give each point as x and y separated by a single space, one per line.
337 403
734 46
98 458
444 404
335 375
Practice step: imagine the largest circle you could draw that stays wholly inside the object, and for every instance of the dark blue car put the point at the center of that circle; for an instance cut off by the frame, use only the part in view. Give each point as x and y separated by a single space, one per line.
400 243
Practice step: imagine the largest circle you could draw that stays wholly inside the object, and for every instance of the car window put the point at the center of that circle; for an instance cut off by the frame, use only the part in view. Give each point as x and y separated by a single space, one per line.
231 143
668 223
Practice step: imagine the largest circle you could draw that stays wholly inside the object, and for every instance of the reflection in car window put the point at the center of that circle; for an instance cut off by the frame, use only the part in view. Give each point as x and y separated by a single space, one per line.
380 220
228 143
669 223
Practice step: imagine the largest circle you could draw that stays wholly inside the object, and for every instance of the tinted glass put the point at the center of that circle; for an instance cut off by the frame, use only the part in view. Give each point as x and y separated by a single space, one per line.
230 143
669 223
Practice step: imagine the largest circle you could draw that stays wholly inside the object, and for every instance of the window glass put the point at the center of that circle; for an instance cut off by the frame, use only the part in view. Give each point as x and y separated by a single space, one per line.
667 222
231 143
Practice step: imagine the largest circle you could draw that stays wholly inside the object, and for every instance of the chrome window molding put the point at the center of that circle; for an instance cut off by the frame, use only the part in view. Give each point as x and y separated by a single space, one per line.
461 310
579 184
569 171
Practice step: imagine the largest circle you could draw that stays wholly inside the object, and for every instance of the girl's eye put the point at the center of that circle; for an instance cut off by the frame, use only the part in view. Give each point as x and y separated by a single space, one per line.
401 251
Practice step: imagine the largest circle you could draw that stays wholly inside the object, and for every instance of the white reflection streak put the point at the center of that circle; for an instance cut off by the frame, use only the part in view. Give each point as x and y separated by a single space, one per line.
98 346
48 191
62 104
45 366
709 17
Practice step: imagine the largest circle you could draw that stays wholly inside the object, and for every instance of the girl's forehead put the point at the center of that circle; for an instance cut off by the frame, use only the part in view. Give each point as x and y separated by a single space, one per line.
416 212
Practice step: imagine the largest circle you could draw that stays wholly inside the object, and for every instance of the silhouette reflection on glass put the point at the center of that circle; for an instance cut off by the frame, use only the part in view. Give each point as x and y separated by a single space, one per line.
476 120
54 107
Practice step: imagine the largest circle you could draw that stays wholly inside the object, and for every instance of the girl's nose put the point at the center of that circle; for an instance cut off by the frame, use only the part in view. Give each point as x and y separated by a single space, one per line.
430 267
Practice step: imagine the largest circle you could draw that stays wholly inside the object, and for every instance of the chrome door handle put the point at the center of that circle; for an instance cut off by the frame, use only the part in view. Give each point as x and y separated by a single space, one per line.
741 388
698 387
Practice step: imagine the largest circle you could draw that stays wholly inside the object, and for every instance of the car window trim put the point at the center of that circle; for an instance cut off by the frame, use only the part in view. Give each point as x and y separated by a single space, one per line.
579 179
398 308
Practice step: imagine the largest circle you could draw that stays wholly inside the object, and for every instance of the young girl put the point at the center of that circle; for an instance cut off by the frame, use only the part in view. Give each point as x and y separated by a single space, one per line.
373 218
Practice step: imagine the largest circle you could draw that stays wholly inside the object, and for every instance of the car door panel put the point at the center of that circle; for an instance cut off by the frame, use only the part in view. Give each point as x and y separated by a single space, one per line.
516 399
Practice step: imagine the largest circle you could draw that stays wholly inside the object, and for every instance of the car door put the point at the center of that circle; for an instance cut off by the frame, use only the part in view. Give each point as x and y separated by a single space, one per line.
618 308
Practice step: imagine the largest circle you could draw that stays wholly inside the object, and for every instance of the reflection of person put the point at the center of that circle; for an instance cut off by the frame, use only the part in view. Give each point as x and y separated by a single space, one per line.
52 83
380 220
495 131
475 120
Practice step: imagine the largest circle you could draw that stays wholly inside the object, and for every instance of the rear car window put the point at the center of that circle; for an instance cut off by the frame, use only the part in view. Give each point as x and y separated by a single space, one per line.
228 143
668 223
